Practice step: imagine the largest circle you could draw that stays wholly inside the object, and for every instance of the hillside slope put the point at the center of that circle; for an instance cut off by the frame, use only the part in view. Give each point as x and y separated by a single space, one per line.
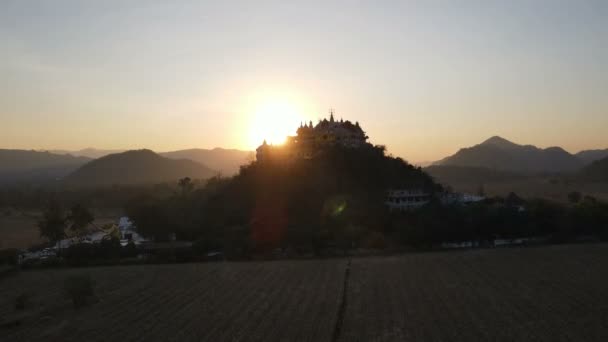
589 156
226 161
500 154
136 167
597 171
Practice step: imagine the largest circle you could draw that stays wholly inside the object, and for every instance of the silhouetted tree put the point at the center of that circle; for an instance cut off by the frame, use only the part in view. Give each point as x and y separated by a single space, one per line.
79 219
53 223
186 185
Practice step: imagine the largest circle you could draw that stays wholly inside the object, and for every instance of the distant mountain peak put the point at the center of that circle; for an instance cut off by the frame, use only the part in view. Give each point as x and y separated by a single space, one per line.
499 141
501 154
136 167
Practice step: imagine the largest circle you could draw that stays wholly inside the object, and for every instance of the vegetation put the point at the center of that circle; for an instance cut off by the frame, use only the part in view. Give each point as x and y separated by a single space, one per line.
336 203
53 224
330 205
334 200
79 219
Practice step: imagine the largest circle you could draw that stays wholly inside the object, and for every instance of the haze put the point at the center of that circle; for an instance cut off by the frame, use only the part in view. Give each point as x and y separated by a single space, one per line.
423 78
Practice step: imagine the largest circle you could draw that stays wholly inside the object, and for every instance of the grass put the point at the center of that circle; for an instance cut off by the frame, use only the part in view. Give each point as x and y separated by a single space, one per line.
554 293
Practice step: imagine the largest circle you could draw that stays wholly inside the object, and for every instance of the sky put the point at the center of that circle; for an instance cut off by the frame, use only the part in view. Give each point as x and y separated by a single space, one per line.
424 78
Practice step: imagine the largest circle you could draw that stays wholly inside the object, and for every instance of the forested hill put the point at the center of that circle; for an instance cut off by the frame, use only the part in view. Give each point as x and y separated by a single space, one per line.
136 167
341 187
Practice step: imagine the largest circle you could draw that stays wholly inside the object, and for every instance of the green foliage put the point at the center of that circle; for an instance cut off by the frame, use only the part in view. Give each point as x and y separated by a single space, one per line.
79 288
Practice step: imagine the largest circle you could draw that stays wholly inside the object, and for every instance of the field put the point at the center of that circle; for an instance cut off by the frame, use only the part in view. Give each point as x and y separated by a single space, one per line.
19 229
530 294
540 187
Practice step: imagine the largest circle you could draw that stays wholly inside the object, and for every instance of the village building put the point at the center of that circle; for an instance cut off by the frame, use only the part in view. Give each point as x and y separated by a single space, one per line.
128 233
406 199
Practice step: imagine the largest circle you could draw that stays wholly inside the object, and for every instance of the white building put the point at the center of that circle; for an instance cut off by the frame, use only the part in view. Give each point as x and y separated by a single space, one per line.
402 199
128 232
460 198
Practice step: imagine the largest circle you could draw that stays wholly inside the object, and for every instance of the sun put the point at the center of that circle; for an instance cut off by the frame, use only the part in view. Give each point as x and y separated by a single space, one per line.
273 120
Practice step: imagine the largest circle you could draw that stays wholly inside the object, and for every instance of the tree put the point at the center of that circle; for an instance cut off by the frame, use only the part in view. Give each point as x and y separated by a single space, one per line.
186 185
79 219
150 217
53 223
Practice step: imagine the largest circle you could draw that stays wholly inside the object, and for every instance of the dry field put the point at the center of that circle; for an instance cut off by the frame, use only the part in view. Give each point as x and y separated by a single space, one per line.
20 229
537 188
262 301
534 294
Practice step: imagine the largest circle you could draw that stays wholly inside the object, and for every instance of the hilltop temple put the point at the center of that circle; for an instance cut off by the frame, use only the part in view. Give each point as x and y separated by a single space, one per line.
310 139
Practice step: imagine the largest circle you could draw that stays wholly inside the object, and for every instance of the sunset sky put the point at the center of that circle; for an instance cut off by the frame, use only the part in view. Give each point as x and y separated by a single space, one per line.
423 78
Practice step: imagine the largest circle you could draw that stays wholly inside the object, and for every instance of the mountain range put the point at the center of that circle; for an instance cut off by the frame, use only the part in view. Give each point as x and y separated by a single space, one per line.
494 159
34 166
29 166
90 152
497 153
225 161
136 167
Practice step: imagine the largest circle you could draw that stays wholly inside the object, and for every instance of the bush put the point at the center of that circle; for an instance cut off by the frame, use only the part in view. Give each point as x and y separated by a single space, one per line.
79 288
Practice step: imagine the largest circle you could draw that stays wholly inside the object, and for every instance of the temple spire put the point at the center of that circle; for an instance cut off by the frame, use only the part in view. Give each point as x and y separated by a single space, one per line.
331 115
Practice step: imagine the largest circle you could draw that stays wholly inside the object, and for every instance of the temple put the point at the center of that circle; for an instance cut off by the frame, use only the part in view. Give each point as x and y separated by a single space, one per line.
310 139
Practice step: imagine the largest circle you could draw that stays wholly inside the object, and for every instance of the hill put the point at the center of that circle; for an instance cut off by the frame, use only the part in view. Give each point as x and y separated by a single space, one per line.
226 161
500 154
26 166
597 171
136 167
589 156
458 175
89 152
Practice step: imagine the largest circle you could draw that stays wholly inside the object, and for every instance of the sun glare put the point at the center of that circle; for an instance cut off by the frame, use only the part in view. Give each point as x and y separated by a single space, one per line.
273 120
